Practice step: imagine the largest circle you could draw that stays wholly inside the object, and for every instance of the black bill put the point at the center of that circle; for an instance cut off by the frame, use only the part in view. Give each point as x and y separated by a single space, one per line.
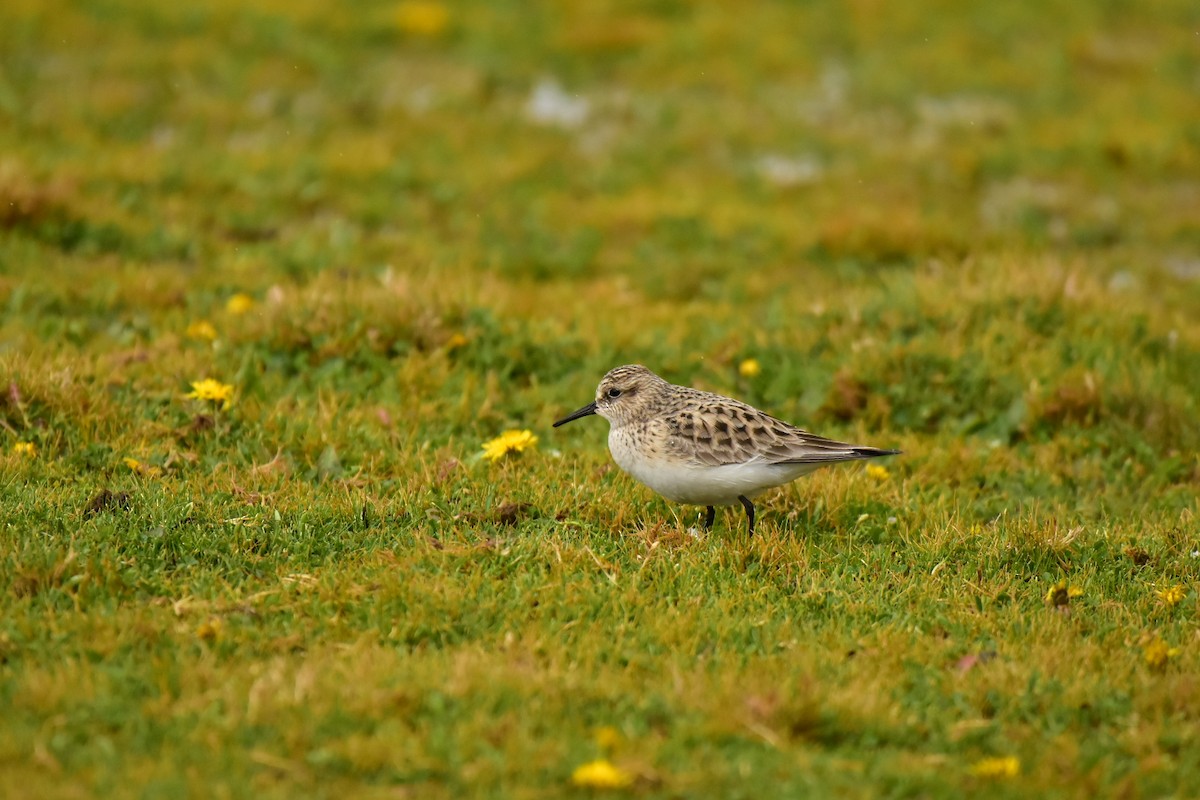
586 411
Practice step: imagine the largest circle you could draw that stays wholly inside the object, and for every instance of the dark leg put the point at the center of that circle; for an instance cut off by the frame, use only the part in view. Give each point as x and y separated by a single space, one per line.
749 511
709 517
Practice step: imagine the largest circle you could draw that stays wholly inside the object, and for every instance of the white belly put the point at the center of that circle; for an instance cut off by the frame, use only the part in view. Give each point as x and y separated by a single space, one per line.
701 485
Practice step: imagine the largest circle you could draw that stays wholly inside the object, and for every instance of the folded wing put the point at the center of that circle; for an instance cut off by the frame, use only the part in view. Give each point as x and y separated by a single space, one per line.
731 432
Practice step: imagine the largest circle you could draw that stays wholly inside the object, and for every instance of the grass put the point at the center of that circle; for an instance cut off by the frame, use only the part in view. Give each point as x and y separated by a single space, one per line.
952 229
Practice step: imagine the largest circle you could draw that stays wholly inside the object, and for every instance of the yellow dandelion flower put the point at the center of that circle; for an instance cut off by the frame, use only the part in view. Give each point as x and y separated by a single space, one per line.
201 330
140 468
1003 767
212 391
607 738
456 341
508 442
1157 654
1060 594
749 368
601 774
240 303
209 631
1172 595
422 18
25 449
878 473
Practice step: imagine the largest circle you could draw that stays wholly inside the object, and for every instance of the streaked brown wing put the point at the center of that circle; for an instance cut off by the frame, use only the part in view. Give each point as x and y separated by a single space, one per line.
712 431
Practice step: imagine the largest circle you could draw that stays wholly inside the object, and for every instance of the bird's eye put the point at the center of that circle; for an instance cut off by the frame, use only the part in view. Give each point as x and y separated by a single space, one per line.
613 394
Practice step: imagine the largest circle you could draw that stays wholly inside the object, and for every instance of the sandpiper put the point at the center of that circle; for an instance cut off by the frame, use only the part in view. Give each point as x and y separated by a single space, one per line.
702 448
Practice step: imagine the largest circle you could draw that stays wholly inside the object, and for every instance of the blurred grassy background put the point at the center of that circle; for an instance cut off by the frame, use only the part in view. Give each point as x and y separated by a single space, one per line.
398 229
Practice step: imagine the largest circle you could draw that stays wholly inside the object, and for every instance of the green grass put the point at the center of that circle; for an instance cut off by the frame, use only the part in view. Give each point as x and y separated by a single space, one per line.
964 230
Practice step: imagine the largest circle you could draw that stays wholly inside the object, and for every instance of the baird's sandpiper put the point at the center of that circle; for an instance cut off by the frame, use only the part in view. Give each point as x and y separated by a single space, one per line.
702 448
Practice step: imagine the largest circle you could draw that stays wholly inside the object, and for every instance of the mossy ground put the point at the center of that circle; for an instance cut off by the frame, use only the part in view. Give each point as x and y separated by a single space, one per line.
965 230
